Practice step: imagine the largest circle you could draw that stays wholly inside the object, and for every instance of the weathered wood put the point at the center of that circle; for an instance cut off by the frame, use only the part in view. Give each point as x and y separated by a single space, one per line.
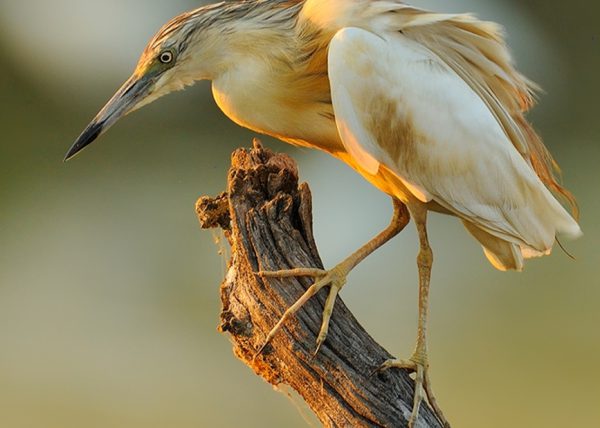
267 219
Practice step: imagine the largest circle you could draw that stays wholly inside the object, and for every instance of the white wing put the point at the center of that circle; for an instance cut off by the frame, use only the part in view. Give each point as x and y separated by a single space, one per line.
398 104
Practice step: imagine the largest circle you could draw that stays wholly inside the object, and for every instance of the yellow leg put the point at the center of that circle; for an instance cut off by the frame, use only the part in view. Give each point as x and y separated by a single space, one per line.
418 362
336 277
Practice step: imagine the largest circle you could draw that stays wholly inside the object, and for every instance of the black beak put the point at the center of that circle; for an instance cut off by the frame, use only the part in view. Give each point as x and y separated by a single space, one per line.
125 100
88 136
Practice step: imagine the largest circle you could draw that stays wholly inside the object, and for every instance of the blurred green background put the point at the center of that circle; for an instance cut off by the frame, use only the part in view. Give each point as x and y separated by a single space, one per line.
109 289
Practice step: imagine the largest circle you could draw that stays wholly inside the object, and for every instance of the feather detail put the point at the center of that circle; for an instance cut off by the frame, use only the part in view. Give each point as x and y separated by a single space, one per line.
465 162
477 52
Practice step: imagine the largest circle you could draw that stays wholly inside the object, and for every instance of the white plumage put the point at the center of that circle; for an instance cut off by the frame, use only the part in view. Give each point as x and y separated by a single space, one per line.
435 99
455 152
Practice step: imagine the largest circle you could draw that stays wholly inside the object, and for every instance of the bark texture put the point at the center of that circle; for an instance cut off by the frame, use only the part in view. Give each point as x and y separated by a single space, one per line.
267 218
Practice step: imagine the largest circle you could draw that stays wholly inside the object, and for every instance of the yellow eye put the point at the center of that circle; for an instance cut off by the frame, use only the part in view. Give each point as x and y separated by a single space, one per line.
166 57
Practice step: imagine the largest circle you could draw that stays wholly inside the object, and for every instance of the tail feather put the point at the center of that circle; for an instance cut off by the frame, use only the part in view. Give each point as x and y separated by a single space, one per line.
502 254
548 218
541 226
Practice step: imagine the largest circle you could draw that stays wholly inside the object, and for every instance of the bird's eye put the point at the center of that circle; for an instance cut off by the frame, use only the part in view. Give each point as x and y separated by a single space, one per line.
166 57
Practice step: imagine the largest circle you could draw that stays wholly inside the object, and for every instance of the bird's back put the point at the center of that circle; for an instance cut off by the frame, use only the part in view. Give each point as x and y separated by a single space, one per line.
281 86
473 121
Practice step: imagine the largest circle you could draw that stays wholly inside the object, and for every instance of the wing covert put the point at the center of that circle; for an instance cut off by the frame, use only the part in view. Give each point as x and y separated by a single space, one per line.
398 104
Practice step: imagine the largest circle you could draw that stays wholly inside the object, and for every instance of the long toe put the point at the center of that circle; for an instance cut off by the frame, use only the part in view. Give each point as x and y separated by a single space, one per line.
288 273
423 390
335 278
398 364
335 287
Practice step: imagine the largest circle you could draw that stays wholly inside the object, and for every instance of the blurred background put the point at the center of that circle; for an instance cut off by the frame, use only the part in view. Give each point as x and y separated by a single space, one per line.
109 290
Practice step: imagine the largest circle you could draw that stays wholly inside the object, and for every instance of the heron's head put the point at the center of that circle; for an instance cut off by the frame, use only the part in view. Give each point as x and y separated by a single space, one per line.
179 54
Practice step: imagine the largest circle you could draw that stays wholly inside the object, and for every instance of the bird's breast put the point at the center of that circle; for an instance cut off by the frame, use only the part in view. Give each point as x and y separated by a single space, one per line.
258 99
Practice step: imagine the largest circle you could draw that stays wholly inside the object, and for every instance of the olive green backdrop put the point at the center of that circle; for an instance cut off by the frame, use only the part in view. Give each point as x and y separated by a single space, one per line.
109 290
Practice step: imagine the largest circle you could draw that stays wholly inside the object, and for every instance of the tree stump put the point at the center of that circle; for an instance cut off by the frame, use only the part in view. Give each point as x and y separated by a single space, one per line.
267 219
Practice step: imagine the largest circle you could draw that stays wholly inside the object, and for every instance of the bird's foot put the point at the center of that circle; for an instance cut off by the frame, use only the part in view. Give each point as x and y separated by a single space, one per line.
335 278
419 365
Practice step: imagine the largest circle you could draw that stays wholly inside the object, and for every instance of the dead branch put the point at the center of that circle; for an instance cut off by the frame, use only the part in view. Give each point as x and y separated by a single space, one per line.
267 219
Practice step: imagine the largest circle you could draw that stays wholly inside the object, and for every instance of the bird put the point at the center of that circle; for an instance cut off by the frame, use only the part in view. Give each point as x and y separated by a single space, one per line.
428 107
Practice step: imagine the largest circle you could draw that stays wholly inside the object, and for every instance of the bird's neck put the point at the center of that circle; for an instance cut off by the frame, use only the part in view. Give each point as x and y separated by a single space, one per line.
275 82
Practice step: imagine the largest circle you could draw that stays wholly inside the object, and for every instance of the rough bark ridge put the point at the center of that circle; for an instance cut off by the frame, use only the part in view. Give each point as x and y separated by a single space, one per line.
267 219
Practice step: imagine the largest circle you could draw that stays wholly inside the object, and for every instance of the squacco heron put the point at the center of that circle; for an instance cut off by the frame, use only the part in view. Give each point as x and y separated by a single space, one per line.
428 107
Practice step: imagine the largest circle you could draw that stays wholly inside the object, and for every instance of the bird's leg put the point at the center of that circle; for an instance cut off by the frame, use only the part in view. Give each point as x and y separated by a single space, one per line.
418 362
336 277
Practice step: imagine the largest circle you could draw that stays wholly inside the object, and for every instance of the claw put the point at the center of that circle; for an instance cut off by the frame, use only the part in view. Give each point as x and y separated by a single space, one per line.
327 311
409 365
335 278
422 386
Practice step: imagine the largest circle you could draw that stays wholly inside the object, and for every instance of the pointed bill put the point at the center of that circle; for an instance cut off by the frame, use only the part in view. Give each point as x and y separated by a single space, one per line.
134 90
